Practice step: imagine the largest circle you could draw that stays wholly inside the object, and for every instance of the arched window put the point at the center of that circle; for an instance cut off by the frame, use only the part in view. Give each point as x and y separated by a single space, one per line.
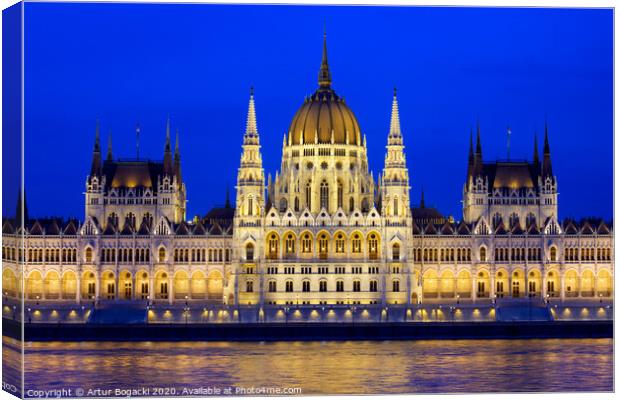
530 220
356 244
373 246
272 246
357 286
113 219
396 252
339 286
553 253
306 243
372 287
325 195
340 194
296 203
323 286
514 220
323 242
283 205
89 255
305 286
365 206
395 205
309 194
249 286
289 286
249 252
289 244
272 286
395 286
250 210
162 255
351 204
483 254
497 219
339 243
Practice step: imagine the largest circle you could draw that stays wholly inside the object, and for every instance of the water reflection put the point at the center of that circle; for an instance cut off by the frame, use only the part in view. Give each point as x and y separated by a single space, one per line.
326 367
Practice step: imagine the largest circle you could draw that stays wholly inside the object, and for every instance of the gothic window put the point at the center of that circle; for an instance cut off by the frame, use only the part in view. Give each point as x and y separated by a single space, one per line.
373 246
395 286
272 286
162 254
289 286
395 252
309 194
323 242
296 203
396 206
249 252
339 243
249 286
272 246
306 243
357 286
351 204
339 286
283 205
365 206
483 254
356 244
89 255
305 286
372 286
553 254
325 195
289 243
340 194
323 286
250 210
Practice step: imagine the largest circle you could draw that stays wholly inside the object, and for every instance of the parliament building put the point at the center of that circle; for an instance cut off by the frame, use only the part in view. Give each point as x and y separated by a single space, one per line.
323 231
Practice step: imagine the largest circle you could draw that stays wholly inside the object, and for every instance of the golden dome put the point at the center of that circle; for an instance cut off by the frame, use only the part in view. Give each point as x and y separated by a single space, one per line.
324 115
320 115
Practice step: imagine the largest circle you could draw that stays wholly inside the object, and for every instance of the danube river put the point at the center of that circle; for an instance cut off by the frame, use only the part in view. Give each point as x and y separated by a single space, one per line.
368 367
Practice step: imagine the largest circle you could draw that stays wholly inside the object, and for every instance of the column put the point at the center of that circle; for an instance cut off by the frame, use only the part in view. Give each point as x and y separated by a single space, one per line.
78 291
492 281
151 287
170 289
473 288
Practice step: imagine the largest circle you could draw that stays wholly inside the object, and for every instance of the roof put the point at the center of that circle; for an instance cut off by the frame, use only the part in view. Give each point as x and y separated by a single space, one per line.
511 174
130 174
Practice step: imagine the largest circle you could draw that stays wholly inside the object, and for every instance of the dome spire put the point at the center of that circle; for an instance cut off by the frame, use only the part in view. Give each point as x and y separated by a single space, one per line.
325 78
395 133
251 130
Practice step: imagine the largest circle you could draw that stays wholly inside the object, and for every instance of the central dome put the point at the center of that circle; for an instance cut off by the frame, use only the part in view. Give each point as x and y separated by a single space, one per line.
324 117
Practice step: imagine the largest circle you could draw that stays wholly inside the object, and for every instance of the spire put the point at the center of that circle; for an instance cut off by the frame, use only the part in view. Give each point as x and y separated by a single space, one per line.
422 205
168 169
477 165
177 154
95 168
470 158
177 159
535 157
395 136
109 155
325 78
251 129
478 144
546 167
227 204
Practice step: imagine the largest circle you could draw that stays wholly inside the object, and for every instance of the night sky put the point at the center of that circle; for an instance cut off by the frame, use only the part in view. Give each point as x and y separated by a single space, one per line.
453 67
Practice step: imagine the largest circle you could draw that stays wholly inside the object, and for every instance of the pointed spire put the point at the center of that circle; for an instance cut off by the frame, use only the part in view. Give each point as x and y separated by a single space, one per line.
422 205
251 129
325 78
478 144
227 204
168 168
177 154
95 168
395 136
167 147
547 170
535 157
109 154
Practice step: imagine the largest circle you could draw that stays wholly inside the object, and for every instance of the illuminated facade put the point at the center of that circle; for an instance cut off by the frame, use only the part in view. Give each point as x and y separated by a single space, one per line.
323 231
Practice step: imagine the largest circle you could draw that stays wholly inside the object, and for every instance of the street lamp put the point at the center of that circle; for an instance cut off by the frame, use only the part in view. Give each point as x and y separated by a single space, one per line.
547 298
600 297
458 298
37 300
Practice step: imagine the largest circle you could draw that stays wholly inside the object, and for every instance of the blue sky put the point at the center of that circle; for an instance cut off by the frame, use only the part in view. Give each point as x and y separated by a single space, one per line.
129 63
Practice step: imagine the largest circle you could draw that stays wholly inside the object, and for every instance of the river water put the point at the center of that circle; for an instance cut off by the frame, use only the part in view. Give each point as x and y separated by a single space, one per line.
354 367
